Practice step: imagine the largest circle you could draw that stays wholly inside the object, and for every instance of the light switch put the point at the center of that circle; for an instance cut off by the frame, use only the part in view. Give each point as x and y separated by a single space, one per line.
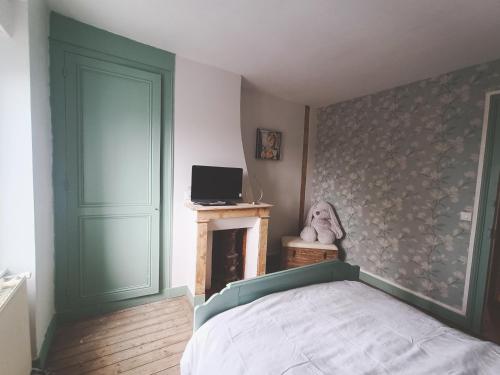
466 216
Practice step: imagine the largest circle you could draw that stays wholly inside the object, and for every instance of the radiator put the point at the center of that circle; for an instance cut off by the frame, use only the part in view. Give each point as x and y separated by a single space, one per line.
15 350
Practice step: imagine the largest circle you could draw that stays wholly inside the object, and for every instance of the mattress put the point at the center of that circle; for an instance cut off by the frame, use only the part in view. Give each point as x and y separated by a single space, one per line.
342 327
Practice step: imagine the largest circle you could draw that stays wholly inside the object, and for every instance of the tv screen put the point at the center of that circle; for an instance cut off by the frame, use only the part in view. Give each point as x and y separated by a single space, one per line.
216 183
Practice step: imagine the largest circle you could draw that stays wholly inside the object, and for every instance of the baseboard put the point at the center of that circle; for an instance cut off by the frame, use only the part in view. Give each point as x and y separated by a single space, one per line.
194 300
450 317
105 308
41 359
178 291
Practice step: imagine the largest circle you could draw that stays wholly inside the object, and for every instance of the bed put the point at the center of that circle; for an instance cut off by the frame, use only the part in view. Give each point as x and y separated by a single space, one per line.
321 320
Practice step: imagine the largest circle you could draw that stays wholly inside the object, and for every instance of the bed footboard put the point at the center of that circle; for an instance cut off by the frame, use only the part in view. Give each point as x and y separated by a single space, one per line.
245 291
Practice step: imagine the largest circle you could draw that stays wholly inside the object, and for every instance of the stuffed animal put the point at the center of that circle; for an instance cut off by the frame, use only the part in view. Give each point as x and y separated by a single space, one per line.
321 224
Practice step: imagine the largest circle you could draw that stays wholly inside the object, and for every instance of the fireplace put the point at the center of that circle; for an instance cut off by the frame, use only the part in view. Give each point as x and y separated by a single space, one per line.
231 244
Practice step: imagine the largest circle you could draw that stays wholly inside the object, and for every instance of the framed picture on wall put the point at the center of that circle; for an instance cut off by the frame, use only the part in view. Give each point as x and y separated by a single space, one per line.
268 145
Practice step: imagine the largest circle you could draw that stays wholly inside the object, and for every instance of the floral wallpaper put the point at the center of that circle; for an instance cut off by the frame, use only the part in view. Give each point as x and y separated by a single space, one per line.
400 166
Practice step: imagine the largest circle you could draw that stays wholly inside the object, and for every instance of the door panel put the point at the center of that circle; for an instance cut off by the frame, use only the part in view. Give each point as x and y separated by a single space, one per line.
102 240
113 186
115 109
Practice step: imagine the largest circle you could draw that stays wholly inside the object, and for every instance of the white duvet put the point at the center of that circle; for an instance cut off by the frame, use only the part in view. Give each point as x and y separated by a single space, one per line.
343 327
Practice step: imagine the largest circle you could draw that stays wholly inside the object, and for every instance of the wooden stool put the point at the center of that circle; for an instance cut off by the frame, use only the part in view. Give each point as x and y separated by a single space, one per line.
295 252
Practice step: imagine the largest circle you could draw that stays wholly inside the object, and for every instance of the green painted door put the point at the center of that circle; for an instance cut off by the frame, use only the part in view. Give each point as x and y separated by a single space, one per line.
486 215
113 126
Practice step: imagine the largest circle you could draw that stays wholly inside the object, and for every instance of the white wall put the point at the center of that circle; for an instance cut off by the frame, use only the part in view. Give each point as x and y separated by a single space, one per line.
17 232
42 165
6 16
207 132
25 161
281 179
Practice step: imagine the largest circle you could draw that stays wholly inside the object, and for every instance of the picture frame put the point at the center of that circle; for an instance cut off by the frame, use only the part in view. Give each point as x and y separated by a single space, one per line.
268 144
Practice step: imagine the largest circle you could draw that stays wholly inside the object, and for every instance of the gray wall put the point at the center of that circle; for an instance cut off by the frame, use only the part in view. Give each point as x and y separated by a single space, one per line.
400 166
280 179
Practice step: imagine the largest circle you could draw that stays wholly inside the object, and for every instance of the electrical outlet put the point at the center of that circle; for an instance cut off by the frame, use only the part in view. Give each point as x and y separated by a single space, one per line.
466 216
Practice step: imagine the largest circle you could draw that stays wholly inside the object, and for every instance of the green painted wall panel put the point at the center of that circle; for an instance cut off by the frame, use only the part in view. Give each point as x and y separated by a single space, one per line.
485 220
112 169
116 134
113 187
70 31
115 255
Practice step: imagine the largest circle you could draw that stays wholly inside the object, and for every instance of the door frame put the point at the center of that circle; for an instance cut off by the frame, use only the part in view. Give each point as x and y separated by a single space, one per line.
485 211
70 36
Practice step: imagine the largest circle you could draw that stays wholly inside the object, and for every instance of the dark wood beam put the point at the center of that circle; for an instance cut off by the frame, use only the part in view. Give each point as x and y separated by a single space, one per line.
305 150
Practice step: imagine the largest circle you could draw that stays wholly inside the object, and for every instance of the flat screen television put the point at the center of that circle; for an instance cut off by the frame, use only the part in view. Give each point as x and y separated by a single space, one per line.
222 184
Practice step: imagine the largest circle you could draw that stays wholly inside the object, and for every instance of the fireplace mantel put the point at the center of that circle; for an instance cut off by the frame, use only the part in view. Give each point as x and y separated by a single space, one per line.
209 218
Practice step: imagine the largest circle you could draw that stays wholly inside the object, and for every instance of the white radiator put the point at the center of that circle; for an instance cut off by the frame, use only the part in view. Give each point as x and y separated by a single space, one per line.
15 350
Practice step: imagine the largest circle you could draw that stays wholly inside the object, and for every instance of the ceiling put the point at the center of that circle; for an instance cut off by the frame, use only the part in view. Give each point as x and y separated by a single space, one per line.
313 52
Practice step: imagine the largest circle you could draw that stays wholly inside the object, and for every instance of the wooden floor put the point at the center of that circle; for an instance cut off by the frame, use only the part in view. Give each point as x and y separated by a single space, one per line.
143 340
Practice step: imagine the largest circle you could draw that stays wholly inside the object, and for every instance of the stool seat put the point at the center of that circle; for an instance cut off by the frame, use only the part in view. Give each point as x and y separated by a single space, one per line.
293 241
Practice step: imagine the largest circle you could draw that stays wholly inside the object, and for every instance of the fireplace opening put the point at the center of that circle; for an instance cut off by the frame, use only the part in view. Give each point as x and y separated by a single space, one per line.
228 256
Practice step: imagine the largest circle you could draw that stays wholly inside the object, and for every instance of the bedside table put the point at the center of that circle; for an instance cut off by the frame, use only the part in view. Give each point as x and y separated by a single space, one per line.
296 253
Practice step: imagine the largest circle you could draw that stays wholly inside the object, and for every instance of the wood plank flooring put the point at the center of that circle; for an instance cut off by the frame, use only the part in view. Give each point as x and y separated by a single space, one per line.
144 340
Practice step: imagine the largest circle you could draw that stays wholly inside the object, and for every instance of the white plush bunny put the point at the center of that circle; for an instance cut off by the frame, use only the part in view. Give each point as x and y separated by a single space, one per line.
321 224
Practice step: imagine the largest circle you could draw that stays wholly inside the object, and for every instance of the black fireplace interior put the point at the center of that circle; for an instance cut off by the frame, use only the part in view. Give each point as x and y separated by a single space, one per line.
227 258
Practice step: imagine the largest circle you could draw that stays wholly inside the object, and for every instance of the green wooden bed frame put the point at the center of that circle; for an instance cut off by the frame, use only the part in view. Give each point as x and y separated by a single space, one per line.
246 291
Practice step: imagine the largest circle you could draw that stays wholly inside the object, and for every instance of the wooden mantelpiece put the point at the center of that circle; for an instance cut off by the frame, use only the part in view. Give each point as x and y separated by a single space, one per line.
206 214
